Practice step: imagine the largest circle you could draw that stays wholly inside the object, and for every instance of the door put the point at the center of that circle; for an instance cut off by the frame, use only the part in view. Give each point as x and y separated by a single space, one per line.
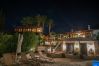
83 49
70 48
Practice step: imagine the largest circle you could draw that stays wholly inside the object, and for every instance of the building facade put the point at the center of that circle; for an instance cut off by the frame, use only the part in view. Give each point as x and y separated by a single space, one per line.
78 43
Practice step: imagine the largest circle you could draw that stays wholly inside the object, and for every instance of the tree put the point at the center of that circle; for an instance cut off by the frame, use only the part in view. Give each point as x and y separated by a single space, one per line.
41 20
27 21
2 20
44 20
37 21
29 37
50 24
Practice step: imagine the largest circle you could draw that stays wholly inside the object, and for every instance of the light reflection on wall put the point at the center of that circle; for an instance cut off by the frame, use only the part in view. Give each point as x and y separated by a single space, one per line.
77 47
90 49
64 46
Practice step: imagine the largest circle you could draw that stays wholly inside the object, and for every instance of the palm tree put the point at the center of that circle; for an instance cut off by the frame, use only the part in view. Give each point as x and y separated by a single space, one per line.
44 20
38 20
41 20
27 20
50 24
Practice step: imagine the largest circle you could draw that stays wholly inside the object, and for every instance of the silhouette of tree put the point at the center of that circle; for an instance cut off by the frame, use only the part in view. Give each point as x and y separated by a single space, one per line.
2 20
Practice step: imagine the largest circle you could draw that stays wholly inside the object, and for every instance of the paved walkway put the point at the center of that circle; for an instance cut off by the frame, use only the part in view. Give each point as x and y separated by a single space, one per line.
68 60
73 62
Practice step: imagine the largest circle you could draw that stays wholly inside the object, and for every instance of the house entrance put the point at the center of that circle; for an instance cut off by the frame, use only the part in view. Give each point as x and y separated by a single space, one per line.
70 48
83 49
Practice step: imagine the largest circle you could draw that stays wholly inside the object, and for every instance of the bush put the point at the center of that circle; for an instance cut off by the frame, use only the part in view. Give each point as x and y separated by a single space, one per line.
8 43
30 41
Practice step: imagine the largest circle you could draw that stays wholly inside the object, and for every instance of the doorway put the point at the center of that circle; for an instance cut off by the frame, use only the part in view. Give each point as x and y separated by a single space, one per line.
83 49
70 48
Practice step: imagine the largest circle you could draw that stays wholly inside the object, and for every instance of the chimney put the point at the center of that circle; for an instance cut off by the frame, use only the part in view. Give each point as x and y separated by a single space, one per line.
88 27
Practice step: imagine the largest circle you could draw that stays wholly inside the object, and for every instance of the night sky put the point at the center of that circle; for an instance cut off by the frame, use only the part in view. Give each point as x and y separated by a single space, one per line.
66 14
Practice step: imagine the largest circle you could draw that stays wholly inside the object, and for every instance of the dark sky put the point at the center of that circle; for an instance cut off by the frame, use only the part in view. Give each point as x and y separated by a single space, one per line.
65 14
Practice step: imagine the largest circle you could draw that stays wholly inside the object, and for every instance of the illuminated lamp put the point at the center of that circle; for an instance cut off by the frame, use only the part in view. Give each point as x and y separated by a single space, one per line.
39 30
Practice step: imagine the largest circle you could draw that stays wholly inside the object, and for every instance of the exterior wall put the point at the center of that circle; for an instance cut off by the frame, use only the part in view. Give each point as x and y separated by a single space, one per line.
84 46
78 50
77 47
97 48
90 49
64 46
89 45
94 33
